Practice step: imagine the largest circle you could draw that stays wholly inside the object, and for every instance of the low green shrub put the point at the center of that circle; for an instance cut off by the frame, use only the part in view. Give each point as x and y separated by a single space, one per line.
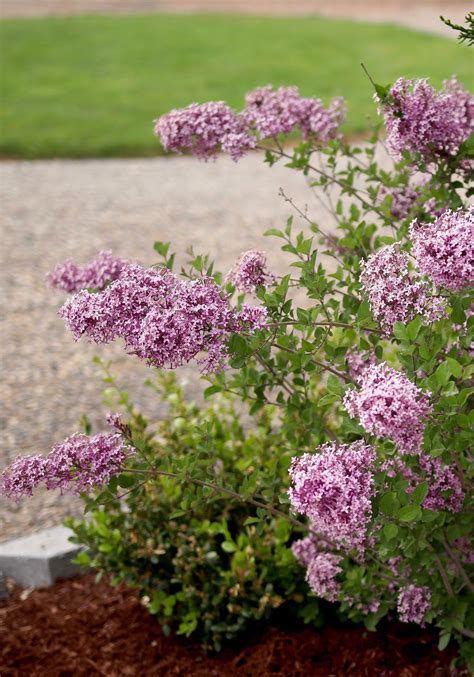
202 566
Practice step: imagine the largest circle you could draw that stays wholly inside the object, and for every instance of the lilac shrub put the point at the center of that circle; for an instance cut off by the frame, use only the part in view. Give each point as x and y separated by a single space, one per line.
354 460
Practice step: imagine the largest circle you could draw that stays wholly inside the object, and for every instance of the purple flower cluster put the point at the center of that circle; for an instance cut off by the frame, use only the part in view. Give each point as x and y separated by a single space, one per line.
405 198
333 488
162 318
389 405
394 292
425 122
445 488
413 603
279 111
445 491
321 575
204 129
306 549
358 362
250 271
444 250
78 464
71 277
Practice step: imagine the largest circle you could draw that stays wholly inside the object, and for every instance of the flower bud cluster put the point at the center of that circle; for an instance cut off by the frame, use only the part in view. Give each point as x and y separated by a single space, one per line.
333 488
77 465
395 293
162 318
71 277
389 405
250 271
444 250
413 603
422 121
205 129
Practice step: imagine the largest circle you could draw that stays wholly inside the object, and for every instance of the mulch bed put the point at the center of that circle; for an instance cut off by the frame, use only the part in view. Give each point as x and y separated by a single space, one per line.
79 627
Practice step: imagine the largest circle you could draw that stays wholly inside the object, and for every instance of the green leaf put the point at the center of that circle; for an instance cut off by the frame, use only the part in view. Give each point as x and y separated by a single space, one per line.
334 385
400 331
389 503
363 313
414 327
161 248
420 493
444 641
238 345
212 390
443 373
390 530
275 232
228 546
454 366
82 559
251 520
409 513
125 481
381 91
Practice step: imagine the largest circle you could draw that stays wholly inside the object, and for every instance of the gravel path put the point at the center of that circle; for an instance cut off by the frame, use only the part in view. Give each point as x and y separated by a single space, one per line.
55 209
420 14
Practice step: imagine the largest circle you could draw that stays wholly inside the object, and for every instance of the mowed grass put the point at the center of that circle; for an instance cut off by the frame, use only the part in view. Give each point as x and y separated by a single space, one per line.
91 86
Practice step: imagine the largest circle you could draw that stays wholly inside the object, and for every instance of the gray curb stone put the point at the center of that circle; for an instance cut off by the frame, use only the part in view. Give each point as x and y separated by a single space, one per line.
37 561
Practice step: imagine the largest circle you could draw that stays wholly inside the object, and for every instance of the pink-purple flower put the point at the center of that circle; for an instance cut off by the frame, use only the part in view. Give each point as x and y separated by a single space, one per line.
413 603
271 112
250 271
321 575
23 476
204 130
444 250
445 491
421 121
162 318
78 464
396 293
358 362
71 277
389 405
334 488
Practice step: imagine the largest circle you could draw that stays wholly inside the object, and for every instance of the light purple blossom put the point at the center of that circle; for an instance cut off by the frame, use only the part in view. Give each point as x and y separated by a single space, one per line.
333 488
272 112
162 318
250 271
358 362
78 464
305 549
71 277
413 603
23 476
425 122
204 129
444 250
406 198
445 490
395 293
321 575
389 405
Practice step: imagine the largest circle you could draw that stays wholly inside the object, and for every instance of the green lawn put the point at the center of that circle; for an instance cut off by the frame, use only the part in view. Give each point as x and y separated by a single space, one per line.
91 86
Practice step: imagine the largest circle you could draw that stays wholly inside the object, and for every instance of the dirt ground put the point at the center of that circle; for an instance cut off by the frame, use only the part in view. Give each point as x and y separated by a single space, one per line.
79 627
421 14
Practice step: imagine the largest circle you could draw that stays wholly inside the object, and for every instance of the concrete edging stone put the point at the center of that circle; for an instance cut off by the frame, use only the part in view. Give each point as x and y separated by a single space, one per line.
40 559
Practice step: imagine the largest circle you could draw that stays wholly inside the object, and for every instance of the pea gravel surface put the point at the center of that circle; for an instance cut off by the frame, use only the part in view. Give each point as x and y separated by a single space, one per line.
51 210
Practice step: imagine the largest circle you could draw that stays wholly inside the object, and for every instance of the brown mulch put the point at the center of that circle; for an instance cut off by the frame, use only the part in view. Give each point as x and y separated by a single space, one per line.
79 627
